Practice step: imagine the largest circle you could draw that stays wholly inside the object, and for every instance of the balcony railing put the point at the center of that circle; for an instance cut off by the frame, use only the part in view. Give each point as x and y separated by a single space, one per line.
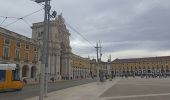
34 62
26 60
16 59
5 58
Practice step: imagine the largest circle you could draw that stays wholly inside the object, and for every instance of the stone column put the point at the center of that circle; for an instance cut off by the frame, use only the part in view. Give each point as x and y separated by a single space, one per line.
85 74
73 73
65 67
50 61
79 72
76 73
69 68
84 71
49 64
56 65
64 70
53 65
29 71
20 71
59 65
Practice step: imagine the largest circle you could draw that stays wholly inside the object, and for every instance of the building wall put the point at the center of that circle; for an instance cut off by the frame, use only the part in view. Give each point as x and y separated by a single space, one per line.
1 46
28 66
59 50
93 68
105 66
150 63
81 67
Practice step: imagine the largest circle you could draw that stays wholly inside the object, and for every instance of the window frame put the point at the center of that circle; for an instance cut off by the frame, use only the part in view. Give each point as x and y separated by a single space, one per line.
6 50
17 53
5 41
18 44
4 74
15 75
26 56
27 46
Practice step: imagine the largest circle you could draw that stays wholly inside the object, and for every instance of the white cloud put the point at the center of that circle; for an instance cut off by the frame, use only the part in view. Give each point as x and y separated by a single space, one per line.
127 28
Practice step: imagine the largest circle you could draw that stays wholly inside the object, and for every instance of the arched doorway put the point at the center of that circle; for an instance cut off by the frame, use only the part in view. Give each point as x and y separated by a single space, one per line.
149 72
167 71
25 71
33 72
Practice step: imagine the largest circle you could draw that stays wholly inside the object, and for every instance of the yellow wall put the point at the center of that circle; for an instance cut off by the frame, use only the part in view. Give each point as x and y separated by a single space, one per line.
1 46
22 52
81 63
141 64
30 54
36 59
12 50
93 68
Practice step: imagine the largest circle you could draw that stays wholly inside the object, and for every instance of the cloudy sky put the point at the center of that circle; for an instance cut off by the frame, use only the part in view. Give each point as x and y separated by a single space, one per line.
126 28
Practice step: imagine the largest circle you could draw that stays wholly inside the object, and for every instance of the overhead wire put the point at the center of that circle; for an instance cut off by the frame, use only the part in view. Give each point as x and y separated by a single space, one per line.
32 13
12 23
26 22
79 34
67 24
8 17
3 21
21 18
5 18
73 39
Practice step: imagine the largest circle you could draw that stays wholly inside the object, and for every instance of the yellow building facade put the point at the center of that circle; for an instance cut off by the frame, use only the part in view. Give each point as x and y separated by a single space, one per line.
93 68
80 66
139 66
20 50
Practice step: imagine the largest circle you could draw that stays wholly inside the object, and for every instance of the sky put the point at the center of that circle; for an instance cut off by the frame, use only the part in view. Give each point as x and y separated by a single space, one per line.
126 28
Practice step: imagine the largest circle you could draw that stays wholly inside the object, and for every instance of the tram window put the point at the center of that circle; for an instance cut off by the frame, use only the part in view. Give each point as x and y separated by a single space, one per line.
15 76
2 75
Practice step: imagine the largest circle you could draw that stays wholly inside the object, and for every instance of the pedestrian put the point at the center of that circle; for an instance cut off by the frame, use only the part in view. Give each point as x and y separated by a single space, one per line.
35 79
25 81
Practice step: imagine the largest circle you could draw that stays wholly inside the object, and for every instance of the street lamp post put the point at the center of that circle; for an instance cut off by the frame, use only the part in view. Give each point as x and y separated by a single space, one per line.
98 76
44 51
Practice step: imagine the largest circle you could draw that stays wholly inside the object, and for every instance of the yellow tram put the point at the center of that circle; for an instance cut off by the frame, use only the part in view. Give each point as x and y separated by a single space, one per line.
9 78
